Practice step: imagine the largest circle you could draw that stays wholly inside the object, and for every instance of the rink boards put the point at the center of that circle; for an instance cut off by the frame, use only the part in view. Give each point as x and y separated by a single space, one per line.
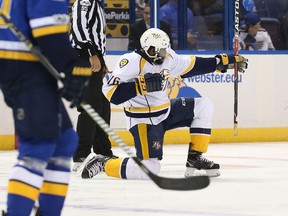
262 112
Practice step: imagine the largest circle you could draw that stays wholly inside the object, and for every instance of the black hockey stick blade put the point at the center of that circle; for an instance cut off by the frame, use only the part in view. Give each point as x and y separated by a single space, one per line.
183 184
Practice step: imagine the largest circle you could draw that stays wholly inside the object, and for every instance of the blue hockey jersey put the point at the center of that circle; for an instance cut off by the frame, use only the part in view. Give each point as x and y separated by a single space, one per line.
46 24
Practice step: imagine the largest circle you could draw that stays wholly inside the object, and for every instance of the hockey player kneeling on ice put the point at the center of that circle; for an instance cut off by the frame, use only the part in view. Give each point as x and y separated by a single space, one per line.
139 80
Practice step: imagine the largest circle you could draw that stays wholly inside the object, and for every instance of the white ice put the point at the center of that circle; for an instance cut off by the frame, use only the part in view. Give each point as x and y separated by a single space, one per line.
253 181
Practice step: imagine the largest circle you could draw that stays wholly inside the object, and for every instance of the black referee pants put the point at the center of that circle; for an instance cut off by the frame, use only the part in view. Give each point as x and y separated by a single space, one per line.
90 134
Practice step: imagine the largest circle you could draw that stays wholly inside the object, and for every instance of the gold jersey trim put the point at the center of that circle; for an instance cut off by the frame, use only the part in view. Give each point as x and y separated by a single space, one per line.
48 30
147 109
16 55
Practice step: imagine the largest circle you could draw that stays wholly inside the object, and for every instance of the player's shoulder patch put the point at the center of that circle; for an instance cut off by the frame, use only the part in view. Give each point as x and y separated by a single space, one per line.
123 62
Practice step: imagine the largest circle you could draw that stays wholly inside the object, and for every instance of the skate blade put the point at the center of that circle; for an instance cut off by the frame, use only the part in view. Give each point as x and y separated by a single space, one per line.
213 172
190 172
76 166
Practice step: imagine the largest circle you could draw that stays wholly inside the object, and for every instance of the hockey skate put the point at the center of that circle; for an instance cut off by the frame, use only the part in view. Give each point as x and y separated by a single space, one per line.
83 164
3 213
94 166
79 165
195 161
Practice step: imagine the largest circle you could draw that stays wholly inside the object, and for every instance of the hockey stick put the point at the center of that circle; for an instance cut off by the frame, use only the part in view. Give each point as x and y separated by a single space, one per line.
236 29
193 183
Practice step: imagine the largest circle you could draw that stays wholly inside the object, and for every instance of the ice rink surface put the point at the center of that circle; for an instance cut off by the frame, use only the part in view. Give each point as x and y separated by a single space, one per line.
253 181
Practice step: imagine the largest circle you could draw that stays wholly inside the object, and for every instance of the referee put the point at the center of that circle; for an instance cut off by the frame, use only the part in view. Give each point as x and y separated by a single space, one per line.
88 38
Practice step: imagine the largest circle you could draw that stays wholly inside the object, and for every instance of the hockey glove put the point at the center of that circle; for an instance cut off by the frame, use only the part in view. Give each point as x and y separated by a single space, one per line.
149 83
226 61
74 85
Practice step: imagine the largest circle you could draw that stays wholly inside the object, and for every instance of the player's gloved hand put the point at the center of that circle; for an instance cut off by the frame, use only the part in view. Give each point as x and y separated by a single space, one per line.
226 61
74 85
149 83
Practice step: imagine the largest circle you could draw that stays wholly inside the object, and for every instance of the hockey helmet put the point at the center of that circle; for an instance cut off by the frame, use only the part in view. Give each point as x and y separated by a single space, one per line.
155 42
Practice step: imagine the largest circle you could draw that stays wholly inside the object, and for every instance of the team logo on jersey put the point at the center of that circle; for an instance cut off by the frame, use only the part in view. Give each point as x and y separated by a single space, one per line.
123 62
156 145
183 101
84 8
84 5
20 114
61 19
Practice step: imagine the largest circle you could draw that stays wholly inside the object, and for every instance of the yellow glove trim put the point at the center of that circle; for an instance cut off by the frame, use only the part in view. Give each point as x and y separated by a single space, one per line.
239 58
141 86
81 71
225 59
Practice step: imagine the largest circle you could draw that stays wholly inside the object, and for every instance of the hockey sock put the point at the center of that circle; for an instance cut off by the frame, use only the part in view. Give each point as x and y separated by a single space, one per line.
24 186
57 175
199 139
126 168
55 186
116 167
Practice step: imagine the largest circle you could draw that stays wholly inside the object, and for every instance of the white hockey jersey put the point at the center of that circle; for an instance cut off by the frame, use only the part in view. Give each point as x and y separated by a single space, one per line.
153 107
263 40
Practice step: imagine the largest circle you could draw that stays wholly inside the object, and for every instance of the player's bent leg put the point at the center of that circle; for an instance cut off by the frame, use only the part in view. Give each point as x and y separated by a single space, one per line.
200 131
67 143
57 175
133 171
123 168
126 168
26 177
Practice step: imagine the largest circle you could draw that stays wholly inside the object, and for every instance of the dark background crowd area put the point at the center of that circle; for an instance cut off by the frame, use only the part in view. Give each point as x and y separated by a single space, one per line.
209 25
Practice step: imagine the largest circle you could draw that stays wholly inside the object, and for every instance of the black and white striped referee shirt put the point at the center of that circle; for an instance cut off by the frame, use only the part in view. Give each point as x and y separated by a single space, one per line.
88 27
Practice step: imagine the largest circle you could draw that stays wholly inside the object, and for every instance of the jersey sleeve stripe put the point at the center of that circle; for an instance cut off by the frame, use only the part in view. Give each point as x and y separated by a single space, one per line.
111 92
81 71
13 45
18 56
39 32
61 19
6 5
193 59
